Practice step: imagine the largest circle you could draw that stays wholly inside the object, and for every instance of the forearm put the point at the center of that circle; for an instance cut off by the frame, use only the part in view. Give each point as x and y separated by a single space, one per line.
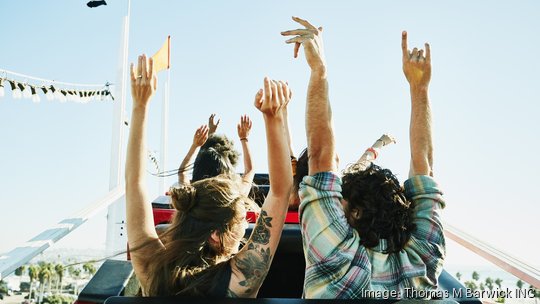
182 172
420 133
248 164
138 211
288 132
249 173
279 162
319 128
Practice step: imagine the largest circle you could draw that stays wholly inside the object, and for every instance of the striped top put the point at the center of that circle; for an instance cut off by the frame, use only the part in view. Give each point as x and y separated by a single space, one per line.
337 266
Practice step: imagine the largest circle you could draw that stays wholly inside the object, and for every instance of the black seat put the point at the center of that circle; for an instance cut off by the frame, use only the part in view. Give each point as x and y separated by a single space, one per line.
110 280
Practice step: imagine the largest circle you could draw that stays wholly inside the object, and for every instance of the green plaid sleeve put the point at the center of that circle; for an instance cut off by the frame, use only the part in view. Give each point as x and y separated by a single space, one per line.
427 242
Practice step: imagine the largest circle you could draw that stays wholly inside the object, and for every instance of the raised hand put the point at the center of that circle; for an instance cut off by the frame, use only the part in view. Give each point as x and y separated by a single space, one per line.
416 66
311 38
244 127
211 125
386 139
143 81
201 135
271 100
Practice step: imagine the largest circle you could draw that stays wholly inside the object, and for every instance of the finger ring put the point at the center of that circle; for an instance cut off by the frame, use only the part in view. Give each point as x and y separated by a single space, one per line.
140 76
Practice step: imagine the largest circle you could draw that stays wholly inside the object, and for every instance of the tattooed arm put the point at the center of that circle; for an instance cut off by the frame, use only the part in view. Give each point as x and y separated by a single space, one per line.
251 264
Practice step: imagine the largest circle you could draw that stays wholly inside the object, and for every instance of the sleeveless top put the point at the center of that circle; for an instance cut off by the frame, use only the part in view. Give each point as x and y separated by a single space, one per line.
220 290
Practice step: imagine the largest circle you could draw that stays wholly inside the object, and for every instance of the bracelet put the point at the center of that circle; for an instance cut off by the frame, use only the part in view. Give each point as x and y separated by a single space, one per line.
244 138
375 154
293 157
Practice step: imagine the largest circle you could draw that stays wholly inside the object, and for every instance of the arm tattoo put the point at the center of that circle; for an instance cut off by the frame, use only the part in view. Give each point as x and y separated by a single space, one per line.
255 262
261 234
231 294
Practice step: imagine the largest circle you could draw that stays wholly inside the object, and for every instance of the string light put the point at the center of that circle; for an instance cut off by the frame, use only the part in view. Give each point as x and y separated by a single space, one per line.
17 94
52 90
26 92
2 92
35 96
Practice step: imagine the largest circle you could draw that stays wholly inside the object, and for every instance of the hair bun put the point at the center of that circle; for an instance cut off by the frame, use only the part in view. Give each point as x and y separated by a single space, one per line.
183 197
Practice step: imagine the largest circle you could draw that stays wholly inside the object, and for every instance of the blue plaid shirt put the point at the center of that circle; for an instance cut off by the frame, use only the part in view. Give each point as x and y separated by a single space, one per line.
337 266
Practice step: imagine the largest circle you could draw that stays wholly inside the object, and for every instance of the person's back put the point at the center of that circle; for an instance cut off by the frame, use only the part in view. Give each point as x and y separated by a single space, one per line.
386 238
199 254
366 233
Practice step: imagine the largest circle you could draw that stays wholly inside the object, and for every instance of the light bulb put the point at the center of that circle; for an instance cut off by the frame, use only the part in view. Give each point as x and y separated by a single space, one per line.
26 92
2 92
17 94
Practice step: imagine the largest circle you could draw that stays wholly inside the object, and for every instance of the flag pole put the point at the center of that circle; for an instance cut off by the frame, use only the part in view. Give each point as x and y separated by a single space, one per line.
164 126
116 236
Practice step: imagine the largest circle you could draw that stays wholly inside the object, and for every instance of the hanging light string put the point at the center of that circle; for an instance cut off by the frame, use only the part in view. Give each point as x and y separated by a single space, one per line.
52 89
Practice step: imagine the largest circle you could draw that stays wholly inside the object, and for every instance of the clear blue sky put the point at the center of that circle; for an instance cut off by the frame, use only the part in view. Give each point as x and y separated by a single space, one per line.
485 97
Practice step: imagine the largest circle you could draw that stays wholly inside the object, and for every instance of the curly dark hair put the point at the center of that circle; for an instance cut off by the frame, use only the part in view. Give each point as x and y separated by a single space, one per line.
302 169
385 211
217 156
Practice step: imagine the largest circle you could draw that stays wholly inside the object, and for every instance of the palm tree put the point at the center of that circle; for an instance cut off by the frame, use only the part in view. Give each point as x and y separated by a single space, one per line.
470 285
52 273
33 273
489 283
498 282
458 276
89 268
59 269
475 276
44 275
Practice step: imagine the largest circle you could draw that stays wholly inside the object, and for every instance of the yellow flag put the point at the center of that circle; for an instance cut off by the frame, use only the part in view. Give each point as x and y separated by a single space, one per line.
162 59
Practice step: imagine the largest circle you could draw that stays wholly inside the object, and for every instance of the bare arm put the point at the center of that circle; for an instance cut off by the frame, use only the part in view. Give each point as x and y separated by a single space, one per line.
140 223
373 152
243 134
417 70
286 125
200 137
212 126
319 129
252 263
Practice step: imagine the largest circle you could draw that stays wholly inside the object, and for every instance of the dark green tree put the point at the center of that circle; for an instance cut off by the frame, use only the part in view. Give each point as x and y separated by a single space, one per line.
489 283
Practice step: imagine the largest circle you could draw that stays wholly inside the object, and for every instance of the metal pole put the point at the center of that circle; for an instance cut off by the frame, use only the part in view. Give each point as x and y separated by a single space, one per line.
164 132
116 236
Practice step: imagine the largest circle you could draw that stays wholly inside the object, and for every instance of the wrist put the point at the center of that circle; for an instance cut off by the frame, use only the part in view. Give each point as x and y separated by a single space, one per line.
244 139
273 118
319 72
419 89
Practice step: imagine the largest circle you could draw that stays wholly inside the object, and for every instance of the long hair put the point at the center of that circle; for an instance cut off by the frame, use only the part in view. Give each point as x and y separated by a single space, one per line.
302 169
189 264
217 156
385 211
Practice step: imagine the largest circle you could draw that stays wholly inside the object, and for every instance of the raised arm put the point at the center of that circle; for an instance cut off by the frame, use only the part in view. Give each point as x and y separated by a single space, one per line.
199 138
212 126
417 69
244 126
319 129
140 222
251 264
286 125
372 152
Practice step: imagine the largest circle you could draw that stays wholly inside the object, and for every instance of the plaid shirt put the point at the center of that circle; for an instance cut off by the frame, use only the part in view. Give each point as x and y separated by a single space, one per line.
337 266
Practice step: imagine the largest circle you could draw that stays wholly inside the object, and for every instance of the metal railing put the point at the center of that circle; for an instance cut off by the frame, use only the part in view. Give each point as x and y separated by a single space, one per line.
21 255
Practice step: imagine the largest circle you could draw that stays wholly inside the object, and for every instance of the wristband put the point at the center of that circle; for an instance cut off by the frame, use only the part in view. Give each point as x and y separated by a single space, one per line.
244 138
375 154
